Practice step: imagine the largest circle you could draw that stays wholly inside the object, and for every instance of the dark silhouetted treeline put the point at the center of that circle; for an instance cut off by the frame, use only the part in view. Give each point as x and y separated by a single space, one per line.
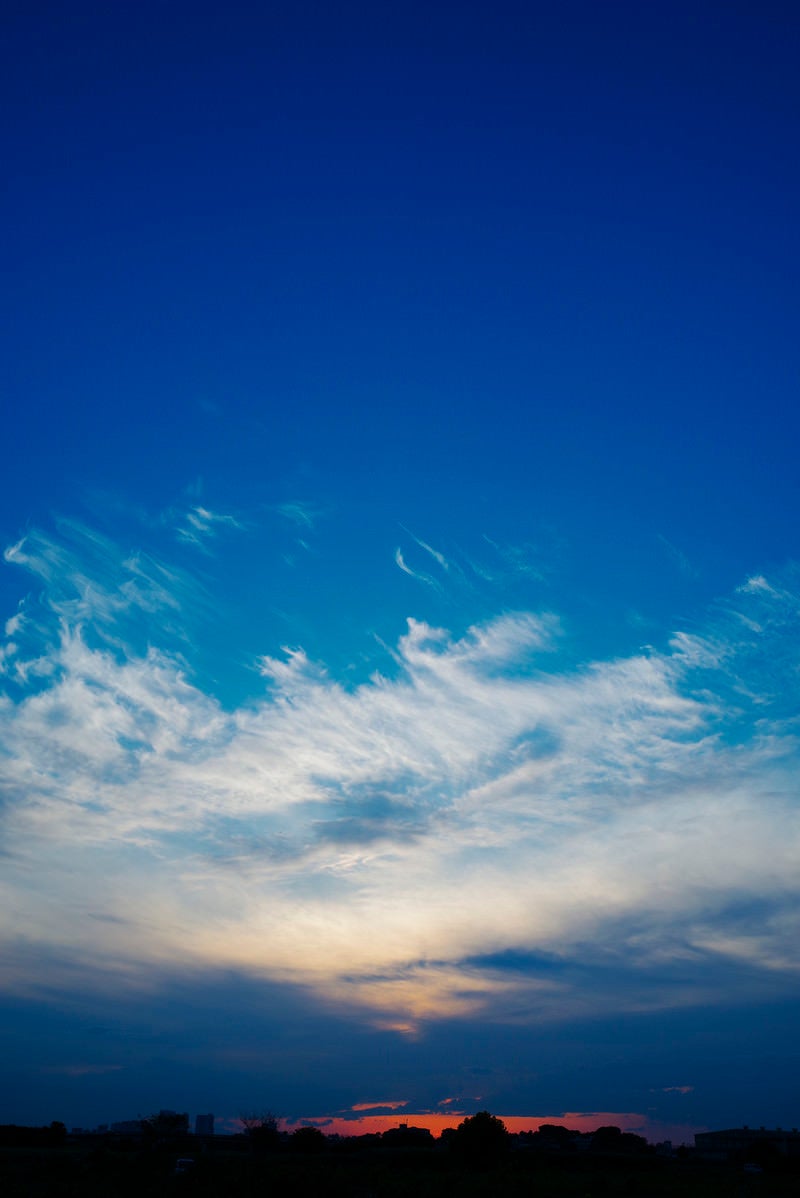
14 1136
479 1159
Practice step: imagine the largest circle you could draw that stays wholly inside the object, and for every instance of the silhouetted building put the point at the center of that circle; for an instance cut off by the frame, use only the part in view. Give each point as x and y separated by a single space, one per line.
127 1127
204 1125
173 1121
746 1143
405 1136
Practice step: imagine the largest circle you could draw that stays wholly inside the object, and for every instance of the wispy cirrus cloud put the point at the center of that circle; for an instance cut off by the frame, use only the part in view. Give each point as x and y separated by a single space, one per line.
300 512
437 556
677 557
524 559
90 582
481 832
199 524
458 575
419 575
301 518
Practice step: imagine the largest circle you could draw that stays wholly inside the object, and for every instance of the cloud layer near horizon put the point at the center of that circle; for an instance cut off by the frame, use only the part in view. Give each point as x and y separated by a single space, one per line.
475 831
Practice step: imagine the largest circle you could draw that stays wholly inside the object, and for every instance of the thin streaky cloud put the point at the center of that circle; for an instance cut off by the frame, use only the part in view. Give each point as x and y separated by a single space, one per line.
517 559
419 575
299 512
438 557
90 581
199 524
677 557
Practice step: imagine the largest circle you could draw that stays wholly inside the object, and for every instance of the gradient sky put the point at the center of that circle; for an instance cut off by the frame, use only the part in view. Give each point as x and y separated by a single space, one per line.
400 674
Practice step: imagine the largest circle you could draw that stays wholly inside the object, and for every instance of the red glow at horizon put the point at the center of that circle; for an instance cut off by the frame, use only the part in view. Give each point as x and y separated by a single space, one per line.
437 1123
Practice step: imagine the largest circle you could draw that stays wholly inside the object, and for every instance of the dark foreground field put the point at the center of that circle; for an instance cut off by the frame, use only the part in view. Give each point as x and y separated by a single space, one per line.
81 1171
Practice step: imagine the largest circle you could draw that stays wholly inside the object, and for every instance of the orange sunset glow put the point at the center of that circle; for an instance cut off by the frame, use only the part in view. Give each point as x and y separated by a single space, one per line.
436 1123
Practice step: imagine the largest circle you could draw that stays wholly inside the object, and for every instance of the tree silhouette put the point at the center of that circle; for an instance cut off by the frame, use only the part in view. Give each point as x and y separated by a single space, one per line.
613 1140
261 1129
308 1139
166 1125
58 1132
480 1138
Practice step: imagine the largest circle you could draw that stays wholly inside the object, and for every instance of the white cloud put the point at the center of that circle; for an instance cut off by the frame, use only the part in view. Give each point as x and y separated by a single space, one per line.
420 575
14 623
757 583
377 842
299 512
438 557
199 524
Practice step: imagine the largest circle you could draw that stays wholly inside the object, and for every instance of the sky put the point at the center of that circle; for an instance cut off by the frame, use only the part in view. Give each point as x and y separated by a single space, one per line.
399 673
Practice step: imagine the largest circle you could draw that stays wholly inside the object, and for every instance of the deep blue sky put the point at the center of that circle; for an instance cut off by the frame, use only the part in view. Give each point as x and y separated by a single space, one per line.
322 318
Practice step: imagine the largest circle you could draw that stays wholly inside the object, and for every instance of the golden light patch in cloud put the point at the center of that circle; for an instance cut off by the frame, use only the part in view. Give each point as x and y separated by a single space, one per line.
431 992
396 1025
377 1106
